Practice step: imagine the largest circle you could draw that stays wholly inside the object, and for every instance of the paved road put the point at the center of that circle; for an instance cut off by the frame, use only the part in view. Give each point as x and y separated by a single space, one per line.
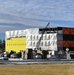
33 61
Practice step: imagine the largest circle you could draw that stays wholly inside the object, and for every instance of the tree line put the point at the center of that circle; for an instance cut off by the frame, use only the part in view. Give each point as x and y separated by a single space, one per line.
2 45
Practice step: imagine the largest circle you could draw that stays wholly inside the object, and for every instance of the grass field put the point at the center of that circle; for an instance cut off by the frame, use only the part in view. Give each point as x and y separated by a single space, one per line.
37 69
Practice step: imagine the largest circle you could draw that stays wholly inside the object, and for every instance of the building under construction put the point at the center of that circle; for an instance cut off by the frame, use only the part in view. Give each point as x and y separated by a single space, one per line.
53 41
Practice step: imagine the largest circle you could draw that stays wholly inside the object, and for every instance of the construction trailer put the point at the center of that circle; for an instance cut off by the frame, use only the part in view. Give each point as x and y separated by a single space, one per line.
54 41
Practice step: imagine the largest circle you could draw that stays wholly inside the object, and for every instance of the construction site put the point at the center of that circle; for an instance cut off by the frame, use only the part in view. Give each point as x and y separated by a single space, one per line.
41 43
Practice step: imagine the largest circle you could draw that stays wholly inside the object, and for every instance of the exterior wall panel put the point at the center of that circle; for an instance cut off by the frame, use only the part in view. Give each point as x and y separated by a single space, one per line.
66 43
48 41
66 30
16 44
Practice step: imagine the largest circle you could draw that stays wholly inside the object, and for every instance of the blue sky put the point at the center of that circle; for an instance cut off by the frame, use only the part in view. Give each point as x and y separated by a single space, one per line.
21 14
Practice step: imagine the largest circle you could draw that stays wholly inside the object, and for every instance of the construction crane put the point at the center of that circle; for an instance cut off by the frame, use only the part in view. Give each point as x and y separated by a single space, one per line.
39 41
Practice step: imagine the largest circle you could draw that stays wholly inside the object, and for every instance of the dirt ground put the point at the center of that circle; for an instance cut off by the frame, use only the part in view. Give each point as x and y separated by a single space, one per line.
37 69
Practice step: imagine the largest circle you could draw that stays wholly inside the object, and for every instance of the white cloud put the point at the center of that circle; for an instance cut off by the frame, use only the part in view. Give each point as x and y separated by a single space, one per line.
15 19
5 28
52 9
25 11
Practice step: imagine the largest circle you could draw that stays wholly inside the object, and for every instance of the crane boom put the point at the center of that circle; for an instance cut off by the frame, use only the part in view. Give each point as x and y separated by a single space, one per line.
38 43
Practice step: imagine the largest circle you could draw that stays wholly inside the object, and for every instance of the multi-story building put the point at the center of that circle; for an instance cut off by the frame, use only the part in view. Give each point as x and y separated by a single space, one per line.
55 40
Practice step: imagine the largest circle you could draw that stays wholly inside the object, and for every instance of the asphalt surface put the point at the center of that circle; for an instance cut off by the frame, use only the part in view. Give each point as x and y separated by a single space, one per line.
35 61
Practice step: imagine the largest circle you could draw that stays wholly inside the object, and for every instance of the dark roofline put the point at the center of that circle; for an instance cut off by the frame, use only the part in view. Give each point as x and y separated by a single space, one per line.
54 28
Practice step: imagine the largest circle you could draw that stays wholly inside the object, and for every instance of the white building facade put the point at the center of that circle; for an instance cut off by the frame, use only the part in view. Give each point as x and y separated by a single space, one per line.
47 42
